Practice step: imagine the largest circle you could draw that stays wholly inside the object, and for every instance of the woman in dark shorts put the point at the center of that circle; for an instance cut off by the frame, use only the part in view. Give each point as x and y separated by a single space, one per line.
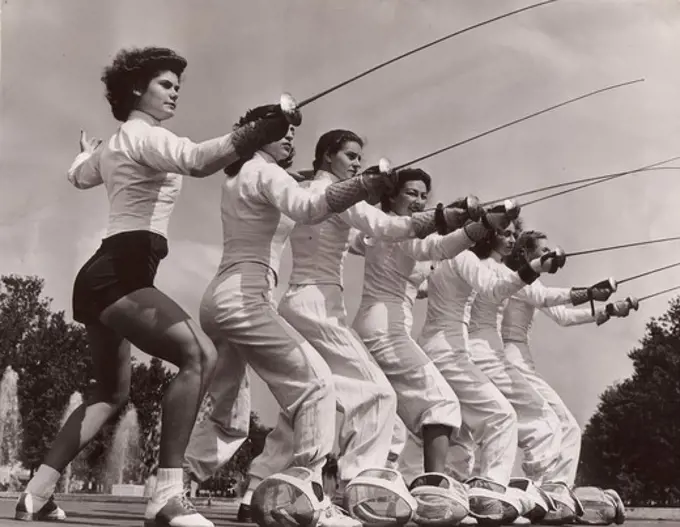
141 166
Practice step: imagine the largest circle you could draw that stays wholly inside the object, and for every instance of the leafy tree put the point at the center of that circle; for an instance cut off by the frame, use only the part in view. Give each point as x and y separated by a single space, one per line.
632 442
50 356
21 311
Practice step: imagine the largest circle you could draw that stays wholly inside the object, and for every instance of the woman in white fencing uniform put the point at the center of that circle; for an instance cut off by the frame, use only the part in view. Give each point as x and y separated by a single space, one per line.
485 411
141 167
393 272
516 324
260 204
538 427
228 411
314 305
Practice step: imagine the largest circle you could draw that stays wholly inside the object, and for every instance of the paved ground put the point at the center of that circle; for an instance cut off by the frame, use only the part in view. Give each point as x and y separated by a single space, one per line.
109 514
100 514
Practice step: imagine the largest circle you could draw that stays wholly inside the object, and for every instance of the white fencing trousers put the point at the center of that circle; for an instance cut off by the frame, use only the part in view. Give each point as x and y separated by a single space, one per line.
460 459
538 427
486 412
238 313
398 443
365 399
215 439
519 354
423 395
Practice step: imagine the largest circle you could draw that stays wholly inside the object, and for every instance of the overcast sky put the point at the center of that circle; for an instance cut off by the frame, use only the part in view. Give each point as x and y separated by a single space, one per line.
244 53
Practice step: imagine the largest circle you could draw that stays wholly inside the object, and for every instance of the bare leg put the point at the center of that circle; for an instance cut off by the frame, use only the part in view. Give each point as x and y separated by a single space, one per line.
111 361
158 326
155 324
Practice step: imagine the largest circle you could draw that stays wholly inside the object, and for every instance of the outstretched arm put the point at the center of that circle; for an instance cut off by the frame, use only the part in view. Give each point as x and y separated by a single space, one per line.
376 224
540 296
493 285
571 316
162 150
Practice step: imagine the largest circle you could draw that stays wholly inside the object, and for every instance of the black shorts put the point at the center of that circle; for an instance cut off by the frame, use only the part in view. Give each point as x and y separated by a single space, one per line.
124 263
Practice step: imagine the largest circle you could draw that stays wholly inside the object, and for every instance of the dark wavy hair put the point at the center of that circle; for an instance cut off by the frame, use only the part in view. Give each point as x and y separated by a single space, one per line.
407 174
331 142
252 115
526 243
484 247
133 69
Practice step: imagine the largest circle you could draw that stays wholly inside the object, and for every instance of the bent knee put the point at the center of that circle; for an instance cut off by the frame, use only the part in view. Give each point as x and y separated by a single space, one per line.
505 415
199 354
321 384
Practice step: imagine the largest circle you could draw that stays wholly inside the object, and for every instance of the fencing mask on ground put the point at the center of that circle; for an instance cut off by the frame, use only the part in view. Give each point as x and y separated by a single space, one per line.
599 507
441 500
288 499
379 497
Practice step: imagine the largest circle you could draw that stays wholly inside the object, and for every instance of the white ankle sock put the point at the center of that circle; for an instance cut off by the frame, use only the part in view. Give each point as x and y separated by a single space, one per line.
169 483
247 497
252 485
43 483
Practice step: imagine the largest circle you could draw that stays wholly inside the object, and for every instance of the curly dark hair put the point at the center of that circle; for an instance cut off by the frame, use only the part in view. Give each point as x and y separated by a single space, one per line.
331 143
257 113
526 243
485 246
133 69
407 174
252 115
